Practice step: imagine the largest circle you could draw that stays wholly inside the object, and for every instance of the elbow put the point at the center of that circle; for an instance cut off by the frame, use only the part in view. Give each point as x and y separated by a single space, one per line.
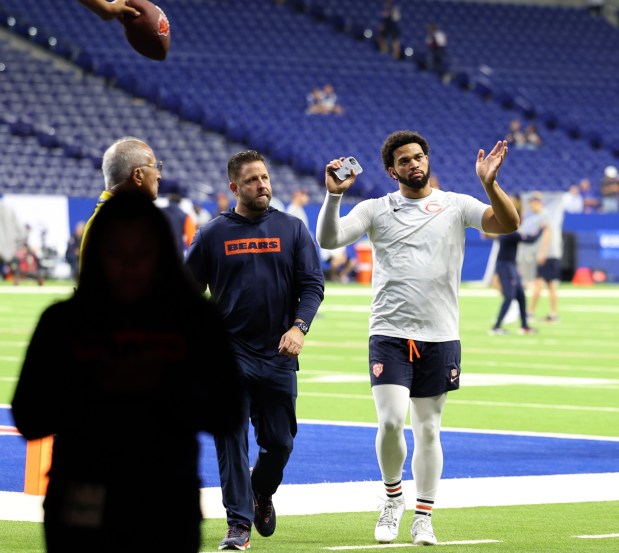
326 243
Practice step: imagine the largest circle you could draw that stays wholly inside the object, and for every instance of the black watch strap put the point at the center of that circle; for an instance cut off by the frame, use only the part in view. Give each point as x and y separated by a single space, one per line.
302 326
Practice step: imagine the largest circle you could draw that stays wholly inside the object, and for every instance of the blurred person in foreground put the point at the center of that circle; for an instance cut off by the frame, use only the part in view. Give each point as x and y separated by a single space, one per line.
118 374
129 164
263 273
417 236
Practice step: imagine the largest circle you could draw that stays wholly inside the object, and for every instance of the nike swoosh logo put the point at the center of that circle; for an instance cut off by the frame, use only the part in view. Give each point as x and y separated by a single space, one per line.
397 208
454 379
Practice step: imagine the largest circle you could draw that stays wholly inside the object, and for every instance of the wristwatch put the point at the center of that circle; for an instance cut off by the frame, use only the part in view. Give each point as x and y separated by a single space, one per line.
302 326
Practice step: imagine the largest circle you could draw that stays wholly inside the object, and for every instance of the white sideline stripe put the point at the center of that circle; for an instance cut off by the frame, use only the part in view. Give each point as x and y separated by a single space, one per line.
355 497
390 545
598 537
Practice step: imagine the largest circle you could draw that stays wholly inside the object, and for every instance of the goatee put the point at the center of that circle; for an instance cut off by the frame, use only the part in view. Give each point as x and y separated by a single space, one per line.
417 183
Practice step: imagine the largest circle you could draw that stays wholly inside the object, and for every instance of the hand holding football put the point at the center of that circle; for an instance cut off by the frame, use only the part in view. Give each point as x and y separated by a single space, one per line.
149 33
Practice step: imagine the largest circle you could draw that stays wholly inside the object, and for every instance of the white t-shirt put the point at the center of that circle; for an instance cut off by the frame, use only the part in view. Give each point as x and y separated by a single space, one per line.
417 250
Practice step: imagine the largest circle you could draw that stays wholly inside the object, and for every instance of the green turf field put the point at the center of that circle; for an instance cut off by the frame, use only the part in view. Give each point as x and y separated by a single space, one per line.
564 380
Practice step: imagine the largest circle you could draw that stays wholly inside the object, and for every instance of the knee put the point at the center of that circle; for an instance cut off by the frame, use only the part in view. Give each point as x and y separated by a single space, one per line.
427 432
391 425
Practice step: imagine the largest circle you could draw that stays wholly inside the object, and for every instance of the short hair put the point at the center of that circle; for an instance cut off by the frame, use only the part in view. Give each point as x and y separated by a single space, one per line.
121 158
238 160
400 138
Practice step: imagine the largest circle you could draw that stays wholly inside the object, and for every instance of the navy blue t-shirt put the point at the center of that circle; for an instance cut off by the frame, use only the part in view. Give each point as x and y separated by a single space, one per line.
262 274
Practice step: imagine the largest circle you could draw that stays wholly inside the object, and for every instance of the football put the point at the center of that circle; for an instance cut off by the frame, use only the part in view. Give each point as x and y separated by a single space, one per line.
149 33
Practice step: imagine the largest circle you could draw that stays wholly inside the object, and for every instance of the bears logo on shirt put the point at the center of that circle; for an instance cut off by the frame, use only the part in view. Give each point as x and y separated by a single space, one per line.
252 245
433 207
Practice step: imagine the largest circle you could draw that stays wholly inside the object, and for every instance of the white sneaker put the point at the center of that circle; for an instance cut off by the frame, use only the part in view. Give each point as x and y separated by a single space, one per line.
388 524
513 313
422 533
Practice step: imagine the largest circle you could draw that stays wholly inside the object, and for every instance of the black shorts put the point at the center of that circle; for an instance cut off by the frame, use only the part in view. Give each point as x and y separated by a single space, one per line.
434 369
550 270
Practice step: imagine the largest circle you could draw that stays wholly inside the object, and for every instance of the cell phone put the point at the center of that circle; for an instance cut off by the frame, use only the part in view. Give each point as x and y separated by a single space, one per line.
349 164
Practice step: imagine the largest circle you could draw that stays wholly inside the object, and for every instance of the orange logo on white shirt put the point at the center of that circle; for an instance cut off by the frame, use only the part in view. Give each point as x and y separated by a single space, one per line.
433 207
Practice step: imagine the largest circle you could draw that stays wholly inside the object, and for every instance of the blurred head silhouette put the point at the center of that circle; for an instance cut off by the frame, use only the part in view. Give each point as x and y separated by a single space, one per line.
130 255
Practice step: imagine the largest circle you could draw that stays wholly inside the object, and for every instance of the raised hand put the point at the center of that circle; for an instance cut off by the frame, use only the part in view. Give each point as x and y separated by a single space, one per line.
487 168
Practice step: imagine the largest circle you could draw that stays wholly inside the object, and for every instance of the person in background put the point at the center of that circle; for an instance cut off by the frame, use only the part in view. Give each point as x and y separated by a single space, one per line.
341 267
323 101
510 283
182 225
436 43
591 201
117 373
417 235
73 248
300 198
223 203
573 201
129 164
516 136
548 269
609 190
262 270
12 236
532 137
110 9
389 29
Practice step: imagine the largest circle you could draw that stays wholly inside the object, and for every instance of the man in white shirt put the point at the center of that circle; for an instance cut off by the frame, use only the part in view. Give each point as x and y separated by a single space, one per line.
417 237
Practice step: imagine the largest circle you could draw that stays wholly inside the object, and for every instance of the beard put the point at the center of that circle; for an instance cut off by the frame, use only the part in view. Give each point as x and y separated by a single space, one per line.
416 183
258 205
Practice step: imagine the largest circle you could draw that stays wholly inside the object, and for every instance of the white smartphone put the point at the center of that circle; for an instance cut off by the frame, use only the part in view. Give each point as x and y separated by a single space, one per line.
349 164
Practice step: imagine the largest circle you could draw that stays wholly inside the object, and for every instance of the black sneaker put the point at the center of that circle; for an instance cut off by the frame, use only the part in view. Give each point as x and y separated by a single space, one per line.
237 538
264 515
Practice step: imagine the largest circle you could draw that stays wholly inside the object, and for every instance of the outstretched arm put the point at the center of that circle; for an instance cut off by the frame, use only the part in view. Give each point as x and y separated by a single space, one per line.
502 217
109 10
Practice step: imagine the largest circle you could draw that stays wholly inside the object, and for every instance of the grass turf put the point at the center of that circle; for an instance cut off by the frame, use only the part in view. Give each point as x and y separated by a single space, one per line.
563 380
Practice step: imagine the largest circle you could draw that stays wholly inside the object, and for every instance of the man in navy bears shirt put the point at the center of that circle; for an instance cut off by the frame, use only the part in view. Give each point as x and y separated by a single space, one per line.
264 274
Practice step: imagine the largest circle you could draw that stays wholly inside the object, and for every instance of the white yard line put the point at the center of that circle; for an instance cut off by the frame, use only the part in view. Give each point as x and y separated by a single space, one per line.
310 499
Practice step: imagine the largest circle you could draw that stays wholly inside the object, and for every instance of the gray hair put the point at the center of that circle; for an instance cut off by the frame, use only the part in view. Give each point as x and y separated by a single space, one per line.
121 158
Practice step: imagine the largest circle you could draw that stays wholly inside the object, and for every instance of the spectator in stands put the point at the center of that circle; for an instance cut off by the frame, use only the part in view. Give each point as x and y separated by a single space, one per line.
107 9
118 374
609 189
300 198
516 136
128 164
573 201
73 248
324 101
591 201
548 269
12 235
532 136
182 224
436 43
388 34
